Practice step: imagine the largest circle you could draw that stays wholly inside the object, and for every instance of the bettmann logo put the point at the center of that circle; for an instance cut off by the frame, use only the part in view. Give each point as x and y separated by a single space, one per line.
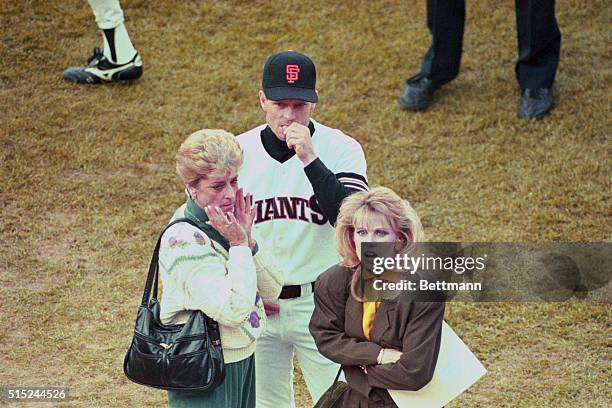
292 73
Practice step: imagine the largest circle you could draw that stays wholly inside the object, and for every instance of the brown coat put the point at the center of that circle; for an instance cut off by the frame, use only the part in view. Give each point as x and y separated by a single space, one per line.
413 327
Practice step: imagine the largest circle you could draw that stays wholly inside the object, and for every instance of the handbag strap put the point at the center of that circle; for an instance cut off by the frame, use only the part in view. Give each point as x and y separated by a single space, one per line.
152 277
337 375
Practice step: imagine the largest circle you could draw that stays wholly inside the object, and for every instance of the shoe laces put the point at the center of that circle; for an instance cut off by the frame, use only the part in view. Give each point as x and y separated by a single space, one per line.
536 93
97 56
421 82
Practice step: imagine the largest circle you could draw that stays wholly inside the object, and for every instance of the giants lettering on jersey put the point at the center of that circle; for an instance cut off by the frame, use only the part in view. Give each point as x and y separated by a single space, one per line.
289 208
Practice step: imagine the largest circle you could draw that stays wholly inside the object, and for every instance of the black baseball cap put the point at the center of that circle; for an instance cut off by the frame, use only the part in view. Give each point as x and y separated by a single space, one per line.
290 75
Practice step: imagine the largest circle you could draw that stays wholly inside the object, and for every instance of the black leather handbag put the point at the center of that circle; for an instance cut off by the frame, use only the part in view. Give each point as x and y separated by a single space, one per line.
333 397
186 357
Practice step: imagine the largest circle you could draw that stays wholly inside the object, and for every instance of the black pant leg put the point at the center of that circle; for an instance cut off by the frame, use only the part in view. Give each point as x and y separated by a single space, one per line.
539 43
446 21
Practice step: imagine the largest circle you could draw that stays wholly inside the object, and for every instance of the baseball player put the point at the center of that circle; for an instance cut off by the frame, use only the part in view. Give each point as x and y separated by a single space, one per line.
119 60
298 171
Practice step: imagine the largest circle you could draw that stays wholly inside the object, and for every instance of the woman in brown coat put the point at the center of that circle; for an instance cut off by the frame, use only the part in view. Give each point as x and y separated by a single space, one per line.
392 344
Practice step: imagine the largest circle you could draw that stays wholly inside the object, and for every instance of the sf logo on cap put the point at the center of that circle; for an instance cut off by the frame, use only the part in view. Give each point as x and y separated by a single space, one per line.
292 73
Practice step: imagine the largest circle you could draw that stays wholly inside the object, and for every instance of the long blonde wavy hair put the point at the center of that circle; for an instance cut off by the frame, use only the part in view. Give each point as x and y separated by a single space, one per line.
357 208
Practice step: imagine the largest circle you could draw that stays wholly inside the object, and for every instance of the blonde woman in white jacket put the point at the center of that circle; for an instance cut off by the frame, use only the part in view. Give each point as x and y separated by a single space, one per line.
217 268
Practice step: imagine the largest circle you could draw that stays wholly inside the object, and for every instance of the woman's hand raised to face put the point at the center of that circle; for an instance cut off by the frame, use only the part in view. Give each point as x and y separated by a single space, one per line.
227 225
244 211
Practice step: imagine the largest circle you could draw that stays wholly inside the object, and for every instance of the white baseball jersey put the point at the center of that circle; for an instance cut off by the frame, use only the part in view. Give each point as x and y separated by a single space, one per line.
289 221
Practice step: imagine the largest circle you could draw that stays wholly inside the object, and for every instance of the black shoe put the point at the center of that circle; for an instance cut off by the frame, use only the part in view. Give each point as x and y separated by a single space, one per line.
417 94
535 103
99 69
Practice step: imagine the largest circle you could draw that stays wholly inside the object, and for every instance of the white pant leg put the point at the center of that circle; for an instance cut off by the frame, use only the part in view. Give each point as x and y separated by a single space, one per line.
118 49
274 365
318 371
108 13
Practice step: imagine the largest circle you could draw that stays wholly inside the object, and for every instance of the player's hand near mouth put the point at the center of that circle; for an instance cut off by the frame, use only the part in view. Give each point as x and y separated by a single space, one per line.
298 138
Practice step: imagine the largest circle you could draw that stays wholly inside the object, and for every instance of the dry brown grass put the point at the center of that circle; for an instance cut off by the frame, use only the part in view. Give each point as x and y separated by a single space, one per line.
88 182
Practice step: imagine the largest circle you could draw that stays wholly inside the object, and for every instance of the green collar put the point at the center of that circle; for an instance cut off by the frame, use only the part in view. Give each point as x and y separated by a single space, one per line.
198 215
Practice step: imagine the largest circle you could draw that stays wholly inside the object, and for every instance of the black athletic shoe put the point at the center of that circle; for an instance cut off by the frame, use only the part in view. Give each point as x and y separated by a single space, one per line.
418 93
535 103
99 69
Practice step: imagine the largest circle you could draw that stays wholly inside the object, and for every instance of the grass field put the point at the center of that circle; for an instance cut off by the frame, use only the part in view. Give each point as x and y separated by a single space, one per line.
87 177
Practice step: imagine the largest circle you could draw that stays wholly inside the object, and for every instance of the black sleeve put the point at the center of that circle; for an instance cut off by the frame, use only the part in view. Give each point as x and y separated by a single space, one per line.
330 190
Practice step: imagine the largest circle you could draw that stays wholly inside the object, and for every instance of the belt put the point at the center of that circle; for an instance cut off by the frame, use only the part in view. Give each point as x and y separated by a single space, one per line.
295 291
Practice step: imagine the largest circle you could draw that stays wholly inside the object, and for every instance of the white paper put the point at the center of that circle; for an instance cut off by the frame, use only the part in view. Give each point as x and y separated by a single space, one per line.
456 370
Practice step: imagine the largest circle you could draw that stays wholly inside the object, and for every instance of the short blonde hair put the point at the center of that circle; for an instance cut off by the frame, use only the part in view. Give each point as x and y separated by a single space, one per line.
205 152
359 206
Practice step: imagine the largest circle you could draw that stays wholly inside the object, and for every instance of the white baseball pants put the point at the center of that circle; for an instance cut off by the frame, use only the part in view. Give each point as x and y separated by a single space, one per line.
108 13
286 333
